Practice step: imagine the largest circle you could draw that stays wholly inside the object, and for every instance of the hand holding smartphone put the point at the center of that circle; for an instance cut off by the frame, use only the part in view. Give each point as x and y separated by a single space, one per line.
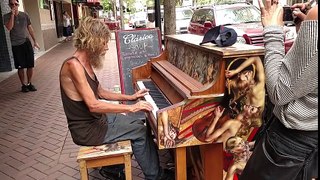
288 17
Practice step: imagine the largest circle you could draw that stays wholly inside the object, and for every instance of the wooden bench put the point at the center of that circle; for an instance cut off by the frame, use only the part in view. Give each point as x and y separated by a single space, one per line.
105 155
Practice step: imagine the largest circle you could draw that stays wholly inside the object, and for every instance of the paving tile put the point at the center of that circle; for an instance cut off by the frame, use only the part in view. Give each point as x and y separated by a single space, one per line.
37 174
42 167
5 177
34 139
14 162
8 170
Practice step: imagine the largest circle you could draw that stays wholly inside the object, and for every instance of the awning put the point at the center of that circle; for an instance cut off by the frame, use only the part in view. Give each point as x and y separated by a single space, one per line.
93 1
94 4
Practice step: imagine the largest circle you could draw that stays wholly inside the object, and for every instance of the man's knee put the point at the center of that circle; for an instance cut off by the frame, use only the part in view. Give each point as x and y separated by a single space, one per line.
141 130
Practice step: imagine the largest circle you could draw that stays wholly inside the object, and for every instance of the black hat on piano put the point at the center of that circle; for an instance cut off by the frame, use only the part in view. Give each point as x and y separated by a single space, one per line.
220 35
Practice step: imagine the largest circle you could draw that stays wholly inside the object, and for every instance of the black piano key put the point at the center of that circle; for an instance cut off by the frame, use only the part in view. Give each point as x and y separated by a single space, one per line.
156 95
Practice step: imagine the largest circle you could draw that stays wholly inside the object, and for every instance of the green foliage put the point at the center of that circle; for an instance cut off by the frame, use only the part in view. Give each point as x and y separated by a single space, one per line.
130 6
107 5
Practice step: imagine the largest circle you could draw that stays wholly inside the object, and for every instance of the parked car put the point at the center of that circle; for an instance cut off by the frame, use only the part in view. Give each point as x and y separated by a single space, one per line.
130 20
183 17
112 24
244 18
139 20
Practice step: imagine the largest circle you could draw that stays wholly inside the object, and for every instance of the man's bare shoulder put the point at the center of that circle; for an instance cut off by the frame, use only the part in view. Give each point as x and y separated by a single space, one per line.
71 72
72 65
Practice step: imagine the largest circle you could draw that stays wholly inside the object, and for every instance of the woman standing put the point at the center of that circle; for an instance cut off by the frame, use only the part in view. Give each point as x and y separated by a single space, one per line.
288 149
66 26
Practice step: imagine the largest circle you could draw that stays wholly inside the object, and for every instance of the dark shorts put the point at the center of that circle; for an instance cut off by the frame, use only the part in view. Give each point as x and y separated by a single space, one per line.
23 55
67 31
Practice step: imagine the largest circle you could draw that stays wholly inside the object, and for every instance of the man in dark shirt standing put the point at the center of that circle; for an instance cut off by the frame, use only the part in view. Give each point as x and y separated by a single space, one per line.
18 23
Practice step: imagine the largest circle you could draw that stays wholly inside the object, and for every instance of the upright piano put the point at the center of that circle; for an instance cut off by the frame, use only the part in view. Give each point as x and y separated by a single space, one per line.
187 82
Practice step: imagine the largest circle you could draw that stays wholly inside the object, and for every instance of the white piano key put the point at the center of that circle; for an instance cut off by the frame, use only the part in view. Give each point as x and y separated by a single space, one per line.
141 85
149 99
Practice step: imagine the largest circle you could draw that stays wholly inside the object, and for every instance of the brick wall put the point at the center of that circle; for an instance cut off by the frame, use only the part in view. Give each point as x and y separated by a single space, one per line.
6 57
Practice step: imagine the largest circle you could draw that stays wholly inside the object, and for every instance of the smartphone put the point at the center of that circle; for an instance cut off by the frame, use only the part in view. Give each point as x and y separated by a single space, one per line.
287 15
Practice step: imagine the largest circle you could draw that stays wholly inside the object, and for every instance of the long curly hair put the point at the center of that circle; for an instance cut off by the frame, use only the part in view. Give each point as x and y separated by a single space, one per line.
91 36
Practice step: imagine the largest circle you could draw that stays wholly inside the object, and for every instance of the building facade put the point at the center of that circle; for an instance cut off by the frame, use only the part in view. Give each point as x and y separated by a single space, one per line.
47 22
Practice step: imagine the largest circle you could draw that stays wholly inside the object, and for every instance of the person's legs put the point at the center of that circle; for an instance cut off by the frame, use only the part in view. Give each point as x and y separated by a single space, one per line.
19 64
64 32
21 76
29 77
29 64
122 127
24 87
69 33
29 74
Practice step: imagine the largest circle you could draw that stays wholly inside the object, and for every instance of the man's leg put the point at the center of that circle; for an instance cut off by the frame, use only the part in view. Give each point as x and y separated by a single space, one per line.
29 63
18 57
29 77
24 87
21 76
123 127
29 74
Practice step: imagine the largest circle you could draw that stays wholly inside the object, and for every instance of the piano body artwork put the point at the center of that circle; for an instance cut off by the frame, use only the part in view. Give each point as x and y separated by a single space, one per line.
197 104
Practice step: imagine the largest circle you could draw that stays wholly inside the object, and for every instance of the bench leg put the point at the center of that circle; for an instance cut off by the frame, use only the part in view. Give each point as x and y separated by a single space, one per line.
127 163
83 170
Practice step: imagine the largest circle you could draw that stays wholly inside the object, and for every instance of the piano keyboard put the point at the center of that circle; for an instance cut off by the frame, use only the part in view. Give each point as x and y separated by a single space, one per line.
154 97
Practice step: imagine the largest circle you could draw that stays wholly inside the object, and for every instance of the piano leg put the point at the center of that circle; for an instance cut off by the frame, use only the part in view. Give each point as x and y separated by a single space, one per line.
213 161
181 163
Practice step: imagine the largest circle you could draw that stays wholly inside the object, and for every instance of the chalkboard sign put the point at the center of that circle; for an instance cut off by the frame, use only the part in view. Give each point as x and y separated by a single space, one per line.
134 48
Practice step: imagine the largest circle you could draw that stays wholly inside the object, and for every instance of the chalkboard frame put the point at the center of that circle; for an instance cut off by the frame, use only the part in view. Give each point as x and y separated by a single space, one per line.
117 32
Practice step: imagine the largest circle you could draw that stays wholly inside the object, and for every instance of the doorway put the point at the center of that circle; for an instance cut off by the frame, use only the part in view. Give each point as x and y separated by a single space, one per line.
58 17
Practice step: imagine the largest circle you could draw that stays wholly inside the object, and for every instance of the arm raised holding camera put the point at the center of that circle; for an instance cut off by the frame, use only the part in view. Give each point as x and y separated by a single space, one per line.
300 11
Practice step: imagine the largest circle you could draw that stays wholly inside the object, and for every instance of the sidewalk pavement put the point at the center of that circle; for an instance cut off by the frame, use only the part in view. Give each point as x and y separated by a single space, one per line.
34 139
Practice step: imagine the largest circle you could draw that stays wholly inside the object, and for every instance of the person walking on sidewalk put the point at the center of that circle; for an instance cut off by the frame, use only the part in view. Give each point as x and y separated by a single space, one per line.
288 149
94 122
18 23
67 31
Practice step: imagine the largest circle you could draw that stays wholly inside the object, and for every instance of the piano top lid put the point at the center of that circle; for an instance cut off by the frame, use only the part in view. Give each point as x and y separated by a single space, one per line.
237 49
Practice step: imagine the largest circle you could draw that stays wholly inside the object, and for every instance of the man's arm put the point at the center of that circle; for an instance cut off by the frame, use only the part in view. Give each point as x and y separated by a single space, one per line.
77 75
31 32
296 74
108 95
10 23
120 97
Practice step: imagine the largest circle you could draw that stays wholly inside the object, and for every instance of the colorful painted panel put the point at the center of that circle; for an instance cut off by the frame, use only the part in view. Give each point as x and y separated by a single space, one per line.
184 125
200 65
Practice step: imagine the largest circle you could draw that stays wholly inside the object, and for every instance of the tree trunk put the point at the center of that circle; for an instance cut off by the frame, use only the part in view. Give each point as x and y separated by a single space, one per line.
169 11
114 10
121 14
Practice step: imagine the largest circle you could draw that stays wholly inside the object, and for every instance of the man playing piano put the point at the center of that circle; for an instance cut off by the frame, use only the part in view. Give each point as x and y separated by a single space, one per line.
93 122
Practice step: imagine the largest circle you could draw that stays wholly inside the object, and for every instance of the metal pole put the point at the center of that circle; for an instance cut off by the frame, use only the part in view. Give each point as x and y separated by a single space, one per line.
157 14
